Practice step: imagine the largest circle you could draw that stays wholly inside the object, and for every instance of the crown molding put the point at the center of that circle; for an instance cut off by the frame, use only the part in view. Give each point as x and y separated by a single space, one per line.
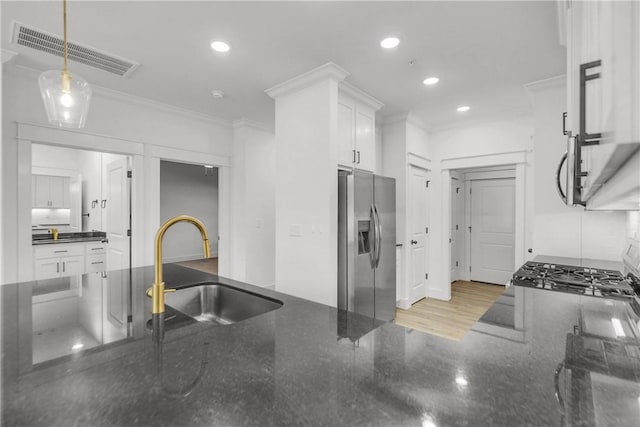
550 83
144 102
406 117
323 72
8 55
360 96
244 122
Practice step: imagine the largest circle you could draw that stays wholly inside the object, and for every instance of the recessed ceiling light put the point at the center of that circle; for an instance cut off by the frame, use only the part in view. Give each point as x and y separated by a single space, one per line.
390 42
463 108
217 94
430 81
220 46
77 346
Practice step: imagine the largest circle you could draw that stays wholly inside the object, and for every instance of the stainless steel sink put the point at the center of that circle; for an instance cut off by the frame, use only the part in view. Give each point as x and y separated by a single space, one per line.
213 302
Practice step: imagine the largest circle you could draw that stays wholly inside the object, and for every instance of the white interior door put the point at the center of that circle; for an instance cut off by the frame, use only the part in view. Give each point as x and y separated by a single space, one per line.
418 223
454 229
492 230
117 214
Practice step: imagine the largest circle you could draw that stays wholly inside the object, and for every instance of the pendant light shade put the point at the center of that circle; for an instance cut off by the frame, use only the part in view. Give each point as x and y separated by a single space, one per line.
66 97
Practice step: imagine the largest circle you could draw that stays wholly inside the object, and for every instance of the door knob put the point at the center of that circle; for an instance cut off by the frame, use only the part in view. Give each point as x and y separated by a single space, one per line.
414 242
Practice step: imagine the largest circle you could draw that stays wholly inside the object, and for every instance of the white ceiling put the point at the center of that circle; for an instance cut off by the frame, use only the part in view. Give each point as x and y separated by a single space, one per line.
483 52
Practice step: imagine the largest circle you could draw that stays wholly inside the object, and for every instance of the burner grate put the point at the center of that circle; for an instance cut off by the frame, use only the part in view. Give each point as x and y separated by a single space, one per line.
576 280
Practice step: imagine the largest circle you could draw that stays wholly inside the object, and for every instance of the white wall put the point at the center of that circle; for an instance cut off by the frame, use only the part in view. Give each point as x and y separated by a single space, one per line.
253 196
186 190
402 136
559 229
633 225
474 143
306 192
175 133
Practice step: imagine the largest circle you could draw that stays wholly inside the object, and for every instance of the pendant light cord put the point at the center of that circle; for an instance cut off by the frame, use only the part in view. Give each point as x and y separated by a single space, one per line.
64 16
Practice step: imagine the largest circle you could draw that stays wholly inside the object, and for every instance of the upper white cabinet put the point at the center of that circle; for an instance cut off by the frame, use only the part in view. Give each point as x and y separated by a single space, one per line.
603 97
356 128
50 191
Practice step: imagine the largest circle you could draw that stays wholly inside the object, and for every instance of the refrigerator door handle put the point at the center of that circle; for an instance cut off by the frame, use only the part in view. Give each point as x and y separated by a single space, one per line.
374 236
378 226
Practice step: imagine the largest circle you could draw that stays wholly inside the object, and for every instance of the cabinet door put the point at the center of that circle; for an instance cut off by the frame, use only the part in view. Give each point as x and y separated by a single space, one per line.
42 192
346 133
57 191
47 268
365 139
622 69
71 266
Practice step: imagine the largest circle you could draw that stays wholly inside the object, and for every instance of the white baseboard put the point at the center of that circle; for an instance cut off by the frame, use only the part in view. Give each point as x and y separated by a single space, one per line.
404 304
441 294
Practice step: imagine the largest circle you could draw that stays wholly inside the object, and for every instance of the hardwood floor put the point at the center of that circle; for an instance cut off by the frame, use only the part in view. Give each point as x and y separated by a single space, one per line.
451 319
209 265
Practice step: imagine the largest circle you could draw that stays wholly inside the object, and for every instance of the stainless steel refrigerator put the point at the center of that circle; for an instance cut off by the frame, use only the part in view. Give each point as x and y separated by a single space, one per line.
367 244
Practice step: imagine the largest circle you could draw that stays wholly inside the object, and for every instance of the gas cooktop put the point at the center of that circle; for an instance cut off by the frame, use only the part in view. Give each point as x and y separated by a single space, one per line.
577 280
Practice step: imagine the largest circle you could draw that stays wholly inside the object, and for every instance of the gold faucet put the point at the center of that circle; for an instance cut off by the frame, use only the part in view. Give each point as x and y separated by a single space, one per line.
54 233
157 290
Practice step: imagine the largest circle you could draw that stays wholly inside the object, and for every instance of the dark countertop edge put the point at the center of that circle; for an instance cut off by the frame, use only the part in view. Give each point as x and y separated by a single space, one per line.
60 241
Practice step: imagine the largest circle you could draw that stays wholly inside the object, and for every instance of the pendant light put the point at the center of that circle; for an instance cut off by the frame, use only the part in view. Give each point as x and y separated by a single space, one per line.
66 97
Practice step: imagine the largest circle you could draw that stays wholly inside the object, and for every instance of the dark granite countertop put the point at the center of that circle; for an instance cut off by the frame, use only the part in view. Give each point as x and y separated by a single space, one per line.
85 236
307 364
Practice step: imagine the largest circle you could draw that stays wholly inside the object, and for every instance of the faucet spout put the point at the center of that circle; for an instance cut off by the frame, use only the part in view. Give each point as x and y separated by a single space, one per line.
157 290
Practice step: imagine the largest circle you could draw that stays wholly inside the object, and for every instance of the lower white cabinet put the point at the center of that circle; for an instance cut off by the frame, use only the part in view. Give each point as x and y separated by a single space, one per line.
68 259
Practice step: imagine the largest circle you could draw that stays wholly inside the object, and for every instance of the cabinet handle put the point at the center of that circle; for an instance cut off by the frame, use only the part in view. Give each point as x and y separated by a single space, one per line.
358 157
63 266
97 249
98 262
59 252
104 203
587 138
564 123
57 267
354 156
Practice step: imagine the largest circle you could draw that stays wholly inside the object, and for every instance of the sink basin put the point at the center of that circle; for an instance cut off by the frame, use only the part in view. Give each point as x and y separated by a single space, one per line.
221 304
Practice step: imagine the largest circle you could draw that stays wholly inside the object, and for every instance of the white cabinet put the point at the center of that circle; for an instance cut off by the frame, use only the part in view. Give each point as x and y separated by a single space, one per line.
68 259
603 92
96 257
356 128
50 191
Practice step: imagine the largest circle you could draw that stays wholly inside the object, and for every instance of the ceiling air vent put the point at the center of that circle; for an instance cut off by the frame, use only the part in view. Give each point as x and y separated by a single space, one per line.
43 41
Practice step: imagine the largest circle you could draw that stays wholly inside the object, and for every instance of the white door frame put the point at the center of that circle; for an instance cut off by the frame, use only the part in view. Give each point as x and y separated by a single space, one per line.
145 164
461 219
517 160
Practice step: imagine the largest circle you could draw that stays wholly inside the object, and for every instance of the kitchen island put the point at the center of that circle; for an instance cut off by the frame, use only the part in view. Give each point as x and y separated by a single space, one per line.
308 364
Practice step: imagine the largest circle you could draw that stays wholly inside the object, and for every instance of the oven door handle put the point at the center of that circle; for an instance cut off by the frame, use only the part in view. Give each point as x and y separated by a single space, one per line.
561 193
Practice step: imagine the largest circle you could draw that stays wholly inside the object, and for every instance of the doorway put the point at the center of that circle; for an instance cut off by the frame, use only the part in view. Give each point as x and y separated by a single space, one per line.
94 197
492 230
418 230
189 189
